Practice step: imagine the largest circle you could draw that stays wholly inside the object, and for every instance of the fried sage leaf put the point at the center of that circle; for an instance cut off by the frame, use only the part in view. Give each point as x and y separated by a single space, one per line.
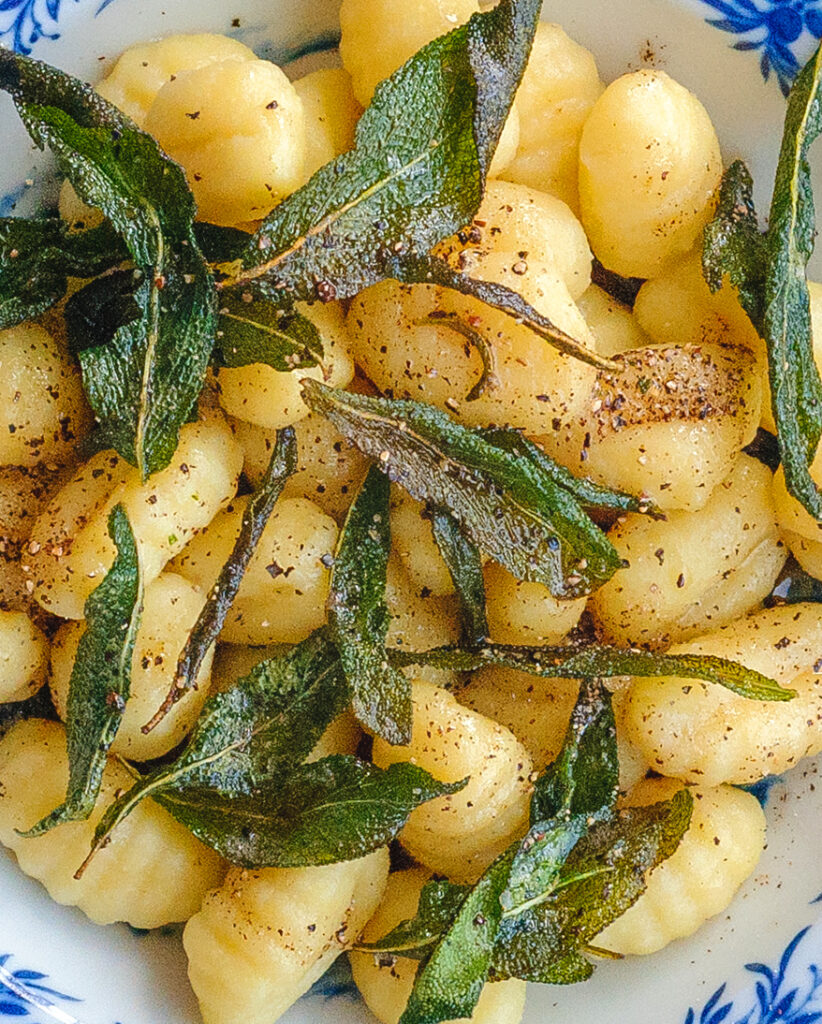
359 618
101 677
212 618
37 257
733 245
254 329
603 876
417 172
143 384
250 737
596 660
464 564
535 529
450 982
796 388
440 901
332 810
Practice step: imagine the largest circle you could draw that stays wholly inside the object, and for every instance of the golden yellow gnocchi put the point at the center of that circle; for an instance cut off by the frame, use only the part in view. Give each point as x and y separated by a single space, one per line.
24 657
263 939
153 872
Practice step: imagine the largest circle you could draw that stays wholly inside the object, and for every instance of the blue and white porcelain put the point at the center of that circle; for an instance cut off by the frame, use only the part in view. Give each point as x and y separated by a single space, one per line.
761 961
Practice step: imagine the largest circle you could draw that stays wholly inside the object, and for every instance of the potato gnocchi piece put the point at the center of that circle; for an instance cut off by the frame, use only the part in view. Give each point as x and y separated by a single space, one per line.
271 398
407 357
649 165
526 225
331 114
142 71
24 657
153 872
73 548
717 854
238 129
613 324
233 661
694 570
526 613
385 985
329 470
704 734
800 531
284 590
263 939
669 424
42 393
412 537
461 834
559 88
538 711
170 610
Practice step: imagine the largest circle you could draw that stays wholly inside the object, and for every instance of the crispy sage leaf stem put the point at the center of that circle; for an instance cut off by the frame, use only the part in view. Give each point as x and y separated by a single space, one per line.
359 617
211 619
101 677
574 662
796 388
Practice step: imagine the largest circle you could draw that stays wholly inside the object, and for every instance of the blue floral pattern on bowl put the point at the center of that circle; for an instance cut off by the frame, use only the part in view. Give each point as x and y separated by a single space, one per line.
23 23
774 28
24 994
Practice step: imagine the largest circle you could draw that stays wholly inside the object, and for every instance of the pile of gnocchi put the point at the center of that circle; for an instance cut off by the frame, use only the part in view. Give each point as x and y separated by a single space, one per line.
626 172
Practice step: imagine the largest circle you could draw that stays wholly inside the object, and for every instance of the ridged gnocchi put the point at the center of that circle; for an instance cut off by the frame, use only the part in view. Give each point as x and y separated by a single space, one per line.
171 606
614 325
520 612
694 570
559 88
667 424
461 834
41 391
649 165
153 872
263 939
331 113
24 657
385 982
284 590
799 529
705 734
70 547
717 854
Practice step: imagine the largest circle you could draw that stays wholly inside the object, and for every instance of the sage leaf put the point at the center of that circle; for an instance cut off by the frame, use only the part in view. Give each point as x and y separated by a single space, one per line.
359 618
537 866
417 171
449 984
733 245
538 532
332 810
589 494
465 568
212 618
101 677
596 660
96 312
440 901
606 874
253 329
250 737
796 388
584 779
37 257
144 383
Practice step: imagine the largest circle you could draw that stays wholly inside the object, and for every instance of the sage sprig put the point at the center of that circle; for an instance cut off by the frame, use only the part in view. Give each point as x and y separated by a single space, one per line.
143 384
101 677
505 506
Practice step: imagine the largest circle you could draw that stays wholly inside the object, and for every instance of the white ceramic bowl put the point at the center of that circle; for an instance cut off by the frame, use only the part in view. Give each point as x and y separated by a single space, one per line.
761 962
